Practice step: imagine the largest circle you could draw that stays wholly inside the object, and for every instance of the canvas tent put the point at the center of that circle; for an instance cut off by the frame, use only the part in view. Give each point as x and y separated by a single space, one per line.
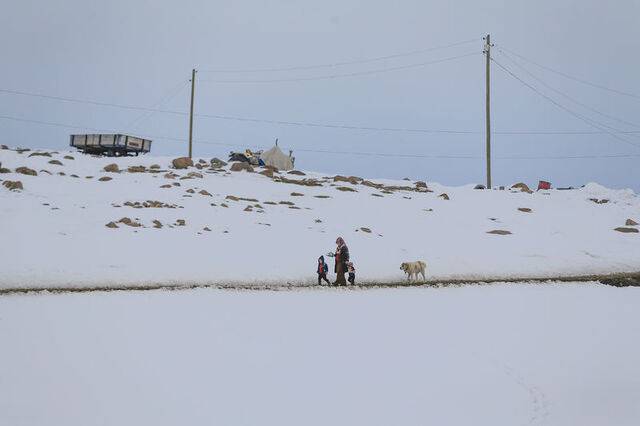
276 158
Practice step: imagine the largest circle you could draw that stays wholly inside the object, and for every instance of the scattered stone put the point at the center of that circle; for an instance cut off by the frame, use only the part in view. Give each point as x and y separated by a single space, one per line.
499 232
157 224
268 173
195 175
175 184
166 186
182 163
206 228
224 205
45 171
522 187
111 168
286 203
406 198
13 185
626 230
294 207
240 166
55 162
191 191
631 222
22 150
127 221
296 173
248 209
217 163
105 179
68 157
154 166
318 221
479 186
3 170
303 182
180 222
377 195
525 209
39 154
444 196
62 173
321 196
271 203
111 225
199 166
427 210
201 161
74 176
185 177
421 184
367 230
354 180
88 177
26 171
603 201
297 194
137 169
234 198
171 175
205 193
345 189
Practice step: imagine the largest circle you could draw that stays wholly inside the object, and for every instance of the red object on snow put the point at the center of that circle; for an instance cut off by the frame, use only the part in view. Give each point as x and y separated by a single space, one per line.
543 184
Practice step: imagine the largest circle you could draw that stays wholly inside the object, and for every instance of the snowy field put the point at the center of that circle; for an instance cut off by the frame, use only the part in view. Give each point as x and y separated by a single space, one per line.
249 228
555 354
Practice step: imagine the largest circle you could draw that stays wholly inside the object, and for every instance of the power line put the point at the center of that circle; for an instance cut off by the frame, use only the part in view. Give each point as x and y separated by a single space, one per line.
587 120
579 80
330 152
297 123
173 92
346 75
570 98
338 63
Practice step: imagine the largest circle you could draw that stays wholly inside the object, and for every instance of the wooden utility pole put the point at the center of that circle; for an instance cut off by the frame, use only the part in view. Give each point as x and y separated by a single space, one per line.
193 92
487 52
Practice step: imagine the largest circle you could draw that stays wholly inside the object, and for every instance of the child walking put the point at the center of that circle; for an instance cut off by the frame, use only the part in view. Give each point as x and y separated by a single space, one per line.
322 270
352 273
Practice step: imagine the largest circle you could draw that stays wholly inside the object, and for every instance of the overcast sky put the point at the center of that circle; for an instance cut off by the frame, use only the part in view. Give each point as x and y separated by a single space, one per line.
138 53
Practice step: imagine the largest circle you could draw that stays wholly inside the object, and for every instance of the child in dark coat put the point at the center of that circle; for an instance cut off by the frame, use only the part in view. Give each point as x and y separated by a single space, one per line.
322 270
352 273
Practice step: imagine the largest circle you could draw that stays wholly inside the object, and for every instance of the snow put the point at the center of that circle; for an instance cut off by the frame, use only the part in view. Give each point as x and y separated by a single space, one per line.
66 243
507 354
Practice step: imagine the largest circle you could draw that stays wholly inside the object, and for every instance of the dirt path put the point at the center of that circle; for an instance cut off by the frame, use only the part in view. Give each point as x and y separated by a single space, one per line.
630 279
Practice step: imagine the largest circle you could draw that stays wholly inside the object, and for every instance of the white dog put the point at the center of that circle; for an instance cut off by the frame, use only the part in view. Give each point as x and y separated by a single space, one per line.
412 269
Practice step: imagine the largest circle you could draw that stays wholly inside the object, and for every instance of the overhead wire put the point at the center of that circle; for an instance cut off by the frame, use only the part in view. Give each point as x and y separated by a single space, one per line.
566 96
571 77
337 63
331 152
581 117
344 75
173 92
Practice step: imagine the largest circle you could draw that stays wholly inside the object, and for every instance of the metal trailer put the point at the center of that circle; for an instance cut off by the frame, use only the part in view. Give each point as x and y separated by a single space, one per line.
110 145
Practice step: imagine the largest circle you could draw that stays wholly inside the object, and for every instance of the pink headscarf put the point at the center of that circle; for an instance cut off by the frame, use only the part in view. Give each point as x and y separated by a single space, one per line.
340 242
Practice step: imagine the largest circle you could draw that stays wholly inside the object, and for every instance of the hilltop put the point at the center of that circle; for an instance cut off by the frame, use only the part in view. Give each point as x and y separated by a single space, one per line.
73 224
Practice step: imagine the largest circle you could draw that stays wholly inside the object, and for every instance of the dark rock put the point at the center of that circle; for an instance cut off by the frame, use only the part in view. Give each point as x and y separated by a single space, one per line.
345 189
627 230
105 179
240 166
631 222
56 162
111 168
499 232
26 171
182 162
296 172
12 185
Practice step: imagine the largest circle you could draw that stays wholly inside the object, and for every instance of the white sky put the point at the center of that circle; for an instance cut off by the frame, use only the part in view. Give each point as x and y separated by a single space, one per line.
136 52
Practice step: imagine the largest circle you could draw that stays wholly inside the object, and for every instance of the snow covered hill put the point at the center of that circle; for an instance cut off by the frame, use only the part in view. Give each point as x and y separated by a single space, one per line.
249 227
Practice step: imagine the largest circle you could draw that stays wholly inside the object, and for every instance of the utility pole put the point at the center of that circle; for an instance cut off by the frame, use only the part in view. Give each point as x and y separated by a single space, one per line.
487 52
193 92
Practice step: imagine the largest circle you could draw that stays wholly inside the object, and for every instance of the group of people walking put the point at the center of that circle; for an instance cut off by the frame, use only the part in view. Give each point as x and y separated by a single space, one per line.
342 265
